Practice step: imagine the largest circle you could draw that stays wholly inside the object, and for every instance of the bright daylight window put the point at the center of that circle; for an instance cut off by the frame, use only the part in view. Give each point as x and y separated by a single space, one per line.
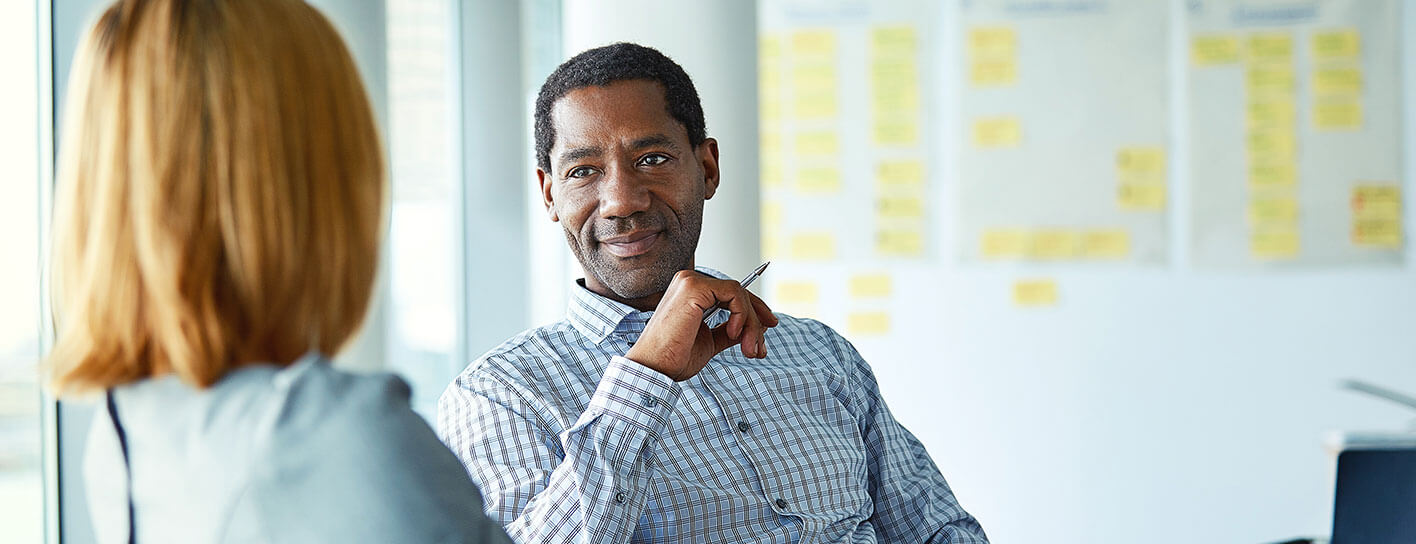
21 475
424 255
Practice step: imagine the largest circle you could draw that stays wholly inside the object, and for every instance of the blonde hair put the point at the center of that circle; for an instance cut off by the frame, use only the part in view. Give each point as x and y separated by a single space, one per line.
221 193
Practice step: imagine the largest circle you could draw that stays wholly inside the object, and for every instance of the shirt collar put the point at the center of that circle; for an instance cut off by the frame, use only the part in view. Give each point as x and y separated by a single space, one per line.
597 317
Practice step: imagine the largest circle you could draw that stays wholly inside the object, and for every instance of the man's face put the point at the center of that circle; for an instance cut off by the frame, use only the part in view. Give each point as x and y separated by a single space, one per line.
627 187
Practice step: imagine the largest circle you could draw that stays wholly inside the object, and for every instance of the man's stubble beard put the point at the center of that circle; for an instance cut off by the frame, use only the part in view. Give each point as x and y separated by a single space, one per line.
644 281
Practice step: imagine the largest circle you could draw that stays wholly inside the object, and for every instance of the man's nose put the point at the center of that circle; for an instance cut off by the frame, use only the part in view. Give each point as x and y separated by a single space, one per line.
622 193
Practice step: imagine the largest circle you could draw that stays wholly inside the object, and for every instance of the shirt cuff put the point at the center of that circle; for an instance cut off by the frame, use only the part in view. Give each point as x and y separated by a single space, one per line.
634 393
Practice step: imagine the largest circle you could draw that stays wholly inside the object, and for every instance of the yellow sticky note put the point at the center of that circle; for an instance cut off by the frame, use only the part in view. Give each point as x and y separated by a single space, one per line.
817 142
769 80
993 73
1040 292
1274 244
773 173
899 130
1214 49
996 132
813 43
819 105
818 179
1054 244
900 207
1106 244
1337 80
868 323
1270 80
1005 243
771 142
1141 196
1377 232
993 41
894 72
1278 174
1376 201
1272 145
893 41
1270 46
814 77
797 292
1333 114
900 173
899 242
1337 44
772 213
771 108
871 286
1269 211
1140 165
813 246
769 47
894 99
1276 113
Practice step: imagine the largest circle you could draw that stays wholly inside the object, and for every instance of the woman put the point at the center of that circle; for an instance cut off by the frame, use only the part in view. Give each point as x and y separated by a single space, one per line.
219 211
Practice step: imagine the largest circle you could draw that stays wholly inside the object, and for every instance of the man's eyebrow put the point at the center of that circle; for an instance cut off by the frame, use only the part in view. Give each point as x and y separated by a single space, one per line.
580 153
655 140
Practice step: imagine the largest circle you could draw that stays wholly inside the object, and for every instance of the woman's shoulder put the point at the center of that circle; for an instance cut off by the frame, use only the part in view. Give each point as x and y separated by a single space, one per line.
347 456
314 394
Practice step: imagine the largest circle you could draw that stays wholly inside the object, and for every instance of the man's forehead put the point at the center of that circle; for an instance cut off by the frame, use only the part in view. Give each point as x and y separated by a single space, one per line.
623 110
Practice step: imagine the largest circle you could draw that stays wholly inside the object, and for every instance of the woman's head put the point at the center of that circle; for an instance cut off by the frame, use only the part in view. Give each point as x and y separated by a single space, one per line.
220 196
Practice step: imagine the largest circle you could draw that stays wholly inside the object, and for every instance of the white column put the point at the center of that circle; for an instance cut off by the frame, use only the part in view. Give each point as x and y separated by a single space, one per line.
494 175
716 43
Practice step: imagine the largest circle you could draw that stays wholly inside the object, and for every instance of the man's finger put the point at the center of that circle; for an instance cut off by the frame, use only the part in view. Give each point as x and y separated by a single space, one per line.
764 313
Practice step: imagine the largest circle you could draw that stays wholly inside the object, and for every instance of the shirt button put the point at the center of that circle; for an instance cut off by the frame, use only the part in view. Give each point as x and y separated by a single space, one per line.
743 426
649 401
620 497
782 503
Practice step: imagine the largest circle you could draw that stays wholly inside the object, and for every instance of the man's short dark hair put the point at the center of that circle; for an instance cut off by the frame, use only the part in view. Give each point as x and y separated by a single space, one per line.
602 66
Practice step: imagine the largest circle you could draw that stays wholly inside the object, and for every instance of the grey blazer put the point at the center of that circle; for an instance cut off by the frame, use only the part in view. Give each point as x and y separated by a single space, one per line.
305 453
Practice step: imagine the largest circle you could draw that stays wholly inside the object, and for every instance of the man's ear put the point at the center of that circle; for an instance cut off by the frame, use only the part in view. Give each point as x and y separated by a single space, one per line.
708 158
546 197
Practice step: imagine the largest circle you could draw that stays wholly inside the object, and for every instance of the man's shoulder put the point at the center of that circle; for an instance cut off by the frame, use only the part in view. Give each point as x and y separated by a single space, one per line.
806 330
529 348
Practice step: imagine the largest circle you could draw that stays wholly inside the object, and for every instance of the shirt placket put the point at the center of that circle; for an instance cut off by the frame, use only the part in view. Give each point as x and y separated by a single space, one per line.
741 422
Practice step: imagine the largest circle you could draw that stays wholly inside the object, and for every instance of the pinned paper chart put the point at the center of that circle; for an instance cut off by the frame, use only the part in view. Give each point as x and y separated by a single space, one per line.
844 110
1064 141
1295 132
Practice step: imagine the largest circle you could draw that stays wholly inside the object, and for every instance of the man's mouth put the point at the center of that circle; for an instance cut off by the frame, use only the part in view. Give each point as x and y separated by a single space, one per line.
632 244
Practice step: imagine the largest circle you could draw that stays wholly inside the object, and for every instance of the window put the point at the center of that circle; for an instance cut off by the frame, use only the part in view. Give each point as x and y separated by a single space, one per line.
425 226
21 474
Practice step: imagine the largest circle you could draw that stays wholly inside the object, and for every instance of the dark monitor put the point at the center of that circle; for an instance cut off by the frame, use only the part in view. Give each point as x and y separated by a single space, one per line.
1376 497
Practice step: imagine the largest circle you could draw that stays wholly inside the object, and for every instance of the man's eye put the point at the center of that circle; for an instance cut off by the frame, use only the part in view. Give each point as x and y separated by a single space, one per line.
580 172
654 159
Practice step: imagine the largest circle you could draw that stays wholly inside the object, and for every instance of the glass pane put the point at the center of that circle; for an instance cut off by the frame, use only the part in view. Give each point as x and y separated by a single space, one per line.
21 487
424 253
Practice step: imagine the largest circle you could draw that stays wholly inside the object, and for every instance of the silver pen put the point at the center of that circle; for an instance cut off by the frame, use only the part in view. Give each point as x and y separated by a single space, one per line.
746 282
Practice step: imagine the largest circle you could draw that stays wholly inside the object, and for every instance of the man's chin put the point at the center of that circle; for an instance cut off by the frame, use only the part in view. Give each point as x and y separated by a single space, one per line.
635 284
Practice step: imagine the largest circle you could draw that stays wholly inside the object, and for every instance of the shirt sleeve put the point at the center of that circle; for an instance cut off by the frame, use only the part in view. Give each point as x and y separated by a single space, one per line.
913 502
586 484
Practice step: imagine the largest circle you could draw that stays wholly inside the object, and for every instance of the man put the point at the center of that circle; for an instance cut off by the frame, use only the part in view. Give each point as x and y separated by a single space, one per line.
632 420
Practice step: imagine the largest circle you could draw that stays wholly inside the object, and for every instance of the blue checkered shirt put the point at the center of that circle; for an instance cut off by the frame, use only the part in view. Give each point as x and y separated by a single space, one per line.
571 442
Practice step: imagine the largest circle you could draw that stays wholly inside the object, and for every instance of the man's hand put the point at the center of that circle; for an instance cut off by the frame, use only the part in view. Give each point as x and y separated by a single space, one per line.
678 344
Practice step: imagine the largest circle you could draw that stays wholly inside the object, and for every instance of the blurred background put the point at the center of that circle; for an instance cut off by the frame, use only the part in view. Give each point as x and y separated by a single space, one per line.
1110 259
